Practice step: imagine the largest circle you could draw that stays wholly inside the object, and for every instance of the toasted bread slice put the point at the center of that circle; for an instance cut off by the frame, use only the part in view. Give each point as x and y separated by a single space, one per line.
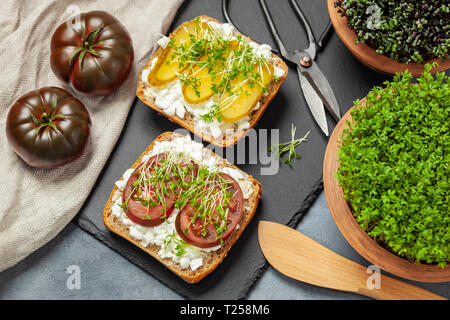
188 121
211 259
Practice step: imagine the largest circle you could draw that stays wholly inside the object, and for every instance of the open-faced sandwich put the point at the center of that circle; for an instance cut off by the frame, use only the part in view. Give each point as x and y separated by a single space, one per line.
182 204
211 80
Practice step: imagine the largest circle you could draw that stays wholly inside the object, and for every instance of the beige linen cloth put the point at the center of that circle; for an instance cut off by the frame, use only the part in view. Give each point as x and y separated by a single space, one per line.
36 204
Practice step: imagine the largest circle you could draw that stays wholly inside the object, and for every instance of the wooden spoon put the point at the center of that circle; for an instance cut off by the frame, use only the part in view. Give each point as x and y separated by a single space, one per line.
299 257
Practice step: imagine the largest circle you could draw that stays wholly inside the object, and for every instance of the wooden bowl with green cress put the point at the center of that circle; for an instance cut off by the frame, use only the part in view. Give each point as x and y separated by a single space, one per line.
355 235
369 57
370 152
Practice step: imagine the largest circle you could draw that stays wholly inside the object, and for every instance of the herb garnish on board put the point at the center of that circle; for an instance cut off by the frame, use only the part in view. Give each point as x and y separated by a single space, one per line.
289 147
395 166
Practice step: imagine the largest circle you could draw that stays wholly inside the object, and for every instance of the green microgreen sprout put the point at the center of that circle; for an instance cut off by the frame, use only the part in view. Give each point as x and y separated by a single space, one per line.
180 245
289 147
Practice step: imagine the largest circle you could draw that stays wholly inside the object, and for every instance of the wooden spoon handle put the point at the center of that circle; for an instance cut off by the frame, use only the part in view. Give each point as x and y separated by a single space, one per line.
392 289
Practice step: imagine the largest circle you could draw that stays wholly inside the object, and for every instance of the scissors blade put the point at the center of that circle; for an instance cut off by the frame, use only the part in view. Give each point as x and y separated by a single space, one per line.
322 87
314 103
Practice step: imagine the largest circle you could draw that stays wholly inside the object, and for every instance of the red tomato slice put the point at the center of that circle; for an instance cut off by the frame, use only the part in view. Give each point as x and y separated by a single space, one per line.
199 235
147 215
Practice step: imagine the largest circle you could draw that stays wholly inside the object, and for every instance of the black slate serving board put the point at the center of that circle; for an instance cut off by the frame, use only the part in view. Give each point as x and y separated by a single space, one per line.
288 194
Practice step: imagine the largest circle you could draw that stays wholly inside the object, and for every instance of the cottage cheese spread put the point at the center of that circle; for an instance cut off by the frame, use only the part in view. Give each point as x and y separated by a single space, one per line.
163 41
165 235
170 97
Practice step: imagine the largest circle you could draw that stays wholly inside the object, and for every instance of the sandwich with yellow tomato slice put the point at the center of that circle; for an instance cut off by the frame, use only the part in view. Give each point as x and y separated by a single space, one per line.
211 80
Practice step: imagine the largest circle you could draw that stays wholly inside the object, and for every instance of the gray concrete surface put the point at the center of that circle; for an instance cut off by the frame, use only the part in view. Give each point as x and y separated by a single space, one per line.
107 275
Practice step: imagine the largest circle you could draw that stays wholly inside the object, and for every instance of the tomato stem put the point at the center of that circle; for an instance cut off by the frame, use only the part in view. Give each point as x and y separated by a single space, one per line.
88 45
47 118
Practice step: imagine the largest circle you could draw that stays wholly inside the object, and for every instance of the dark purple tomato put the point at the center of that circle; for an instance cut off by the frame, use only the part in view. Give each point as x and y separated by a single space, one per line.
48 127
92 52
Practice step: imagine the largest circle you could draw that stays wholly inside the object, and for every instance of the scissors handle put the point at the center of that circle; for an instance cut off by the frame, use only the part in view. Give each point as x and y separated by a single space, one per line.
312 42
325 35
275 34
313 47
228 18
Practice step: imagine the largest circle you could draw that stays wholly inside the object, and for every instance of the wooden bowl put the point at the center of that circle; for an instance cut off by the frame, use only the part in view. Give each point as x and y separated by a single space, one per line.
368 56
355 235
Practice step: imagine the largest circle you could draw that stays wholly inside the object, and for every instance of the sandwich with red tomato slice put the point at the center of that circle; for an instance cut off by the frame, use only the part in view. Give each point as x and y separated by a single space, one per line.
182 204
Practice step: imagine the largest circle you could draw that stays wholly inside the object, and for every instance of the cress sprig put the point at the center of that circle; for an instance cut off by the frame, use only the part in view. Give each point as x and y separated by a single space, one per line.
180 245
289 147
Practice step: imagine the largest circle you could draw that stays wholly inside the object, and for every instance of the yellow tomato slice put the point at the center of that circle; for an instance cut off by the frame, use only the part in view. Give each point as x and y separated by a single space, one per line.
246 94
200 79
168 65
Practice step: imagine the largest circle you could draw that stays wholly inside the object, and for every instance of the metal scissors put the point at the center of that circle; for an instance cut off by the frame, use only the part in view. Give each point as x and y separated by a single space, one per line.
315 86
